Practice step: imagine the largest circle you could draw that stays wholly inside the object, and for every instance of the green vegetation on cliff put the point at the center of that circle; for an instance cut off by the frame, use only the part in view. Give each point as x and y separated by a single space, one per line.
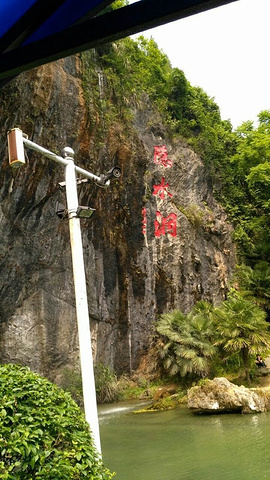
134 70
134 74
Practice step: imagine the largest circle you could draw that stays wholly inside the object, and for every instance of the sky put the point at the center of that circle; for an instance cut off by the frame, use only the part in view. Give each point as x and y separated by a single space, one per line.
225 51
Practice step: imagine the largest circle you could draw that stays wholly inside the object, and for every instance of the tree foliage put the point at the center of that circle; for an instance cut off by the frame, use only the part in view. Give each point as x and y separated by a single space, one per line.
247 188
241 328
254 283
187 346
134 70
193 343
43 434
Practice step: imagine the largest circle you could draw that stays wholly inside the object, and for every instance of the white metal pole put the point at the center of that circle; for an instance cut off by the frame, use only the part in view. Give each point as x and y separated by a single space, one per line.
87 368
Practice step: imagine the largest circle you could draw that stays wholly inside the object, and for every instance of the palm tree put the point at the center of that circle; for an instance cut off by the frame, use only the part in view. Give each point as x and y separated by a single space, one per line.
241 329
187 346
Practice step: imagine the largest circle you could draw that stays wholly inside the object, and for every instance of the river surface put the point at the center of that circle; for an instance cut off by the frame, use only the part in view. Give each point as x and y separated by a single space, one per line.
177 445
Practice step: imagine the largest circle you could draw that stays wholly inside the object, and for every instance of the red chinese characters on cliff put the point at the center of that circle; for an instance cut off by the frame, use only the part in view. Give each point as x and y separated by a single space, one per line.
161 189
163 224
144 220
161 156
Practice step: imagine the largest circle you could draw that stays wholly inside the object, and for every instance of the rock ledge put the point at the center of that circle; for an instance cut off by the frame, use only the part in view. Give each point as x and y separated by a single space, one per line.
221 396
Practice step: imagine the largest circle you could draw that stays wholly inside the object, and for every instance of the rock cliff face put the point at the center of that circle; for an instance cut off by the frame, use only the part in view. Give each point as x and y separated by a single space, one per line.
157 241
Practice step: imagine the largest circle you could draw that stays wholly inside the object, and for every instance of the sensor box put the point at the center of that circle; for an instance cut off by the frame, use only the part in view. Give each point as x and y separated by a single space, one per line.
15 148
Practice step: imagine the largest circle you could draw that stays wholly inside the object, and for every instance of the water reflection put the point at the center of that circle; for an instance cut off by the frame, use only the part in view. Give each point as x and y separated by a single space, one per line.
176 445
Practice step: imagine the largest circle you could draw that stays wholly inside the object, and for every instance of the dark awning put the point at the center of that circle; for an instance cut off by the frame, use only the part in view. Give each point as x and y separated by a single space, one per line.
35 32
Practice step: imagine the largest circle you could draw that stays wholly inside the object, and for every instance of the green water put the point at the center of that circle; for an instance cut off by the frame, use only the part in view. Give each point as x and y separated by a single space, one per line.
176 445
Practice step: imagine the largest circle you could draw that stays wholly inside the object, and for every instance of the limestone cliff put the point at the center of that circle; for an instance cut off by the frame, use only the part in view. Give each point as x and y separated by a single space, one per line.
157 241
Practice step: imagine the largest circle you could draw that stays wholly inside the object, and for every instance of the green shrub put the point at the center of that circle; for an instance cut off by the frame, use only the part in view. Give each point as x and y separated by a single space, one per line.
71 382
43 434
106 384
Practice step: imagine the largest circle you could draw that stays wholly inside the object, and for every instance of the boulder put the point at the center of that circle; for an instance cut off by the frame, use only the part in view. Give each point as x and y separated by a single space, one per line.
221 396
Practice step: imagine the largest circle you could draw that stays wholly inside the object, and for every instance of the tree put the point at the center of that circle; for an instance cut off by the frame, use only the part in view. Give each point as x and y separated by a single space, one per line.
254 283
245 190
187 346
177 94
241 328
43 433
253 144
258 181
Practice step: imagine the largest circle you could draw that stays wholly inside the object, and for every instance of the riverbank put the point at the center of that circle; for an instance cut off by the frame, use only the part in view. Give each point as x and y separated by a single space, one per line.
226 397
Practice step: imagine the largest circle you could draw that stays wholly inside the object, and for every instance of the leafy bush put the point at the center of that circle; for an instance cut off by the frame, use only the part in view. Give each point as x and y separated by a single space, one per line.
71 381
43 434
211 340
241 328
106 384
129 389
187 341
